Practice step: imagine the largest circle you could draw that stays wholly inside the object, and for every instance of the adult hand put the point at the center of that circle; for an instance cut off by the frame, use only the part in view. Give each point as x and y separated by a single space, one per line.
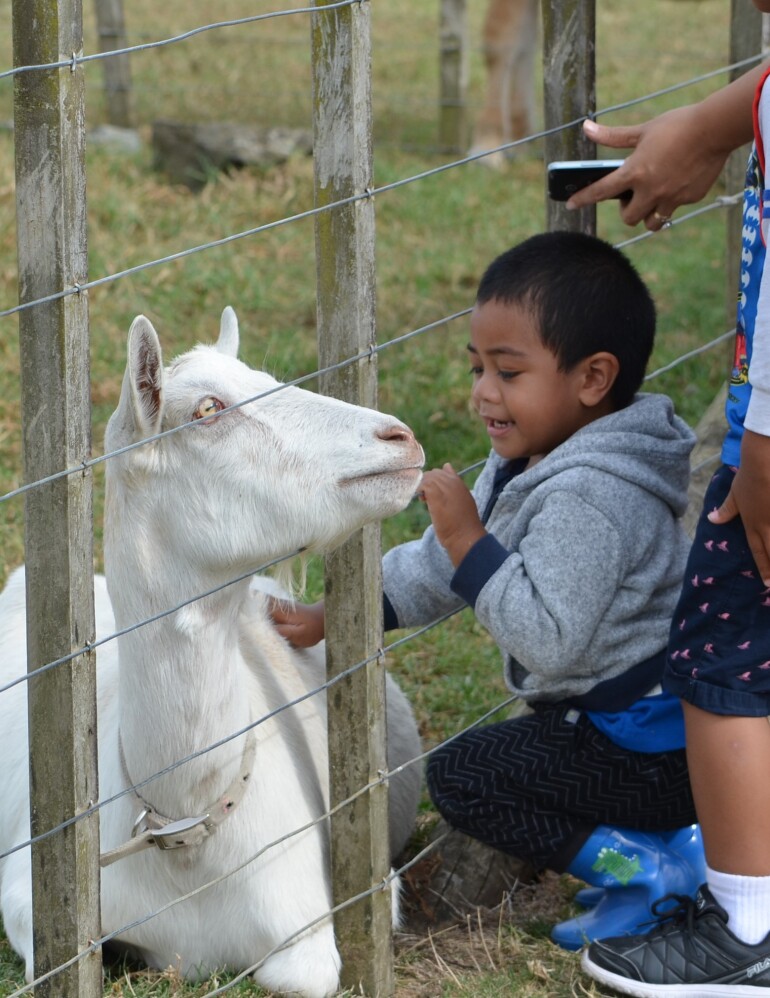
749 497
676 156
670 165
453 511
302 624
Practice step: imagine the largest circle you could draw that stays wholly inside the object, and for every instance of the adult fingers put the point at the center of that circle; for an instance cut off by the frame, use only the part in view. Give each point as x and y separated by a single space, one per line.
614 136
658 219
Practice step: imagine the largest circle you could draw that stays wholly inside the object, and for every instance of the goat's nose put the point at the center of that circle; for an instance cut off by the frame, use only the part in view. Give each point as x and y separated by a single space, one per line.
397 433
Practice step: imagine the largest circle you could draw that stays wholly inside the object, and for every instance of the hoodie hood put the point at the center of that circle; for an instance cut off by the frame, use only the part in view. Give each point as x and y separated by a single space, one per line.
645 444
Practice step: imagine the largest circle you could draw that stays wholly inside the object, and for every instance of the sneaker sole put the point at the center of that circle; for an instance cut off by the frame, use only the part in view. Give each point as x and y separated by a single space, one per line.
641 990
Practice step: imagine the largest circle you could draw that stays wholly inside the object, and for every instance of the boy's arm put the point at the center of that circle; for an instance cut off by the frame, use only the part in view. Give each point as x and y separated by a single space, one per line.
544 603
413 572
749 497
750 493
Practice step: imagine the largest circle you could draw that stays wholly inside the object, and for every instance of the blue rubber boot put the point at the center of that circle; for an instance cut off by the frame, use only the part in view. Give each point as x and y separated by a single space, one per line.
634 869
589 897
686 841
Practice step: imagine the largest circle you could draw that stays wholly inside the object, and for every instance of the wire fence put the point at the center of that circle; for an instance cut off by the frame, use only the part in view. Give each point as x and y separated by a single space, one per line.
85 648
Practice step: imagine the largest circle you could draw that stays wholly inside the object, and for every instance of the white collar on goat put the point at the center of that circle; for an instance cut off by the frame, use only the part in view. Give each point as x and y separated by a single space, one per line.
154 829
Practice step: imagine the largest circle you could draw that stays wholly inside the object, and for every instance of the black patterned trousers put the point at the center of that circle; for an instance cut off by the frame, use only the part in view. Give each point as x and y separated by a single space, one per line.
537 786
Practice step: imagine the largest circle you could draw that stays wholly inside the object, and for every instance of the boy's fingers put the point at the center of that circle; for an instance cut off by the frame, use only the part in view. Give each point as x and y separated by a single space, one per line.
726 512
761 553
759 549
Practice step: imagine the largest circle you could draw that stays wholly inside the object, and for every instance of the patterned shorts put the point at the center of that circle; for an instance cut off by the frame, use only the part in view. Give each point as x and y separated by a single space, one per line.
719 645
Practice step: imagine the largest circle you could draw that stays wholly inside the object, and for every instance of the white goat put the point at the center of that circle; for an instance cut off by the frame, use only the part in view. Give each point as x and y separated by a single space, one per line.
183 515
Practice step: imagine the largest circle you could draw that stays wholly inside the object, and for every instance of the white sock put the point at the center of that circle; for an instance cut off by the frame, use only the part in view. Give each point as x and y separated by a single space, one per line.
746 901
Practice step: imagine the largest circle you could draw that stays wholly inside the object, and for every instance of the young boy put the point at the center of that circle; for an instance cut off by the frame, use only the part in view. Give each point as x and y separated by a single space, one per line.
570 552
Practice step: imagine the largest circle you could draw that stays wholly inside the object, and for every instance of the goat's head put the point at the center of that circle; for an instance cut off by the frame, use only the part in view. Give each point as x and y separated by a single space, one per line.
260 471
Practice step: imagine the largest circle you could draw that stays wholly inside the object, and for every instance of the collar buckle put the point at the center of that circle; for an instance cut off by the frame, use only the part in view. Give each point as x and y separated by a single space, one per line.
175 835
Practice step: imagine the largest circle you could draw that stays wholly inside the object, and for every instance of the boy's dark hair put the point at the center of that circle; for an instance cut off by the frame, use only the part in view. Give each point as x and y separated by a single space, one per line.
585 297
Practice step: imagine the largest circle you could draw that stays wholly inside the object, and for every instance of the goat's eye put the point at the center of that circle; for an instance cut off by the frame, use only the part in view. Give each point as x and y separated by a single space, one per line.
207 407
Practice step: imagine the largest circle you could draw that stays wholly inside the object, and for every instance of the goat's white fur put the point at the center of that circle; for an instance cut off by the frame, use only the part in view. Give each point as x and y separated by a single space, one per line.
184 514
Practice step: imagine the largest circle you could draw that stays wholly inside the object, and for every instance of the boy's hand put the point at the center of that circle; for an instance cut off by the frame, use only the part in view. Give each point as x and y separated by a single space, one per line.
750 497
452 510
302 624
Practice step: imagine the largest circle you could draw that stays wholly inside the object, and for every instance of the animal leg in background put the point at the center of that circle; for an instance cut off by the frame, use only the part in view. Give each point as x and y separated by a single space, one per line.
509 45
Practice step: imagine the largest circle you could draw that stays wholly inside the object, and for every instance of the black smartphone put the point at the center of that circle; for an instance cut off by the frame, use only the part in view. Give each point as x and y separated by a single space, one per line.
569 176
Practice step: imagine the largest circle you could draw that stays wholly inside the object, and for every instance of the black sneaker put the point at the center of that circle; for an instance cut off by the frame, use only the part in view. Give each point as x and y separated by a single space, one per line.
690 951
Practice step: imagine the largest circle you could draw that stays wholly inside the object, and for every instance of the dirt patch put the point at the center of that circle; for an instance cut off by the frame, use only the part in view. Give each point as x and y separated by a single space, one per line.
508 944
470 913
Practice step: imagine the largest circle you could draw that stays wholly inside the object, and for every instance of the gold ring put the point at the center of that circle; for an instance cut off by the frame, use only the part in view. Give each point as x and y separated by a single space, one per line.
665 220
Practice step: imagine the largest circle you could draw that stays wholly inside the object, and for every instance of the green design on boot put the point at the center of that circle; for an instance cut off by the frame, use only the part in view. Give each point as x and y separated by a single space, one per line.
616 865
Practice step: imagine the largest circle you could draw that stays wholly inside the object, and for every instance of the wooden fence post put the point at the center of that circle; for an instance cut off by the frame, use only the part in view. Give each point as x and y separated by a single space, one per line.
453 75
346 326
49 122
111 28
569 93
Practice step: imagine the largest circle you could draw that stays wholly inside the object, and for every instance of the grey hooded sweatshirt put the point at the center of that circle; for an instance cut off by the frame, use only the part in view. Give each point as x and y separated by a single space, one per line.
581 569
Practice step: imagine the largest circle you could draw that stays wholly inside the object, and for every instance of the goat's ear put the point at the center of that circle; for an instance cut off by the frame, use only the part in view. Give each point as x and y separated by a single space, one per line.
228 333
140 408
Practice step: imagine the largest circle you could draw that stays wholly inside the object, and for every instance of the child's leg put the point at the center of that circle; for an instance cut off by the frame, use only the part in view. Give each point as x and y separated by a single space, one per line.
551 789
719 664
493 783
718 945
538 786
730 772
729 762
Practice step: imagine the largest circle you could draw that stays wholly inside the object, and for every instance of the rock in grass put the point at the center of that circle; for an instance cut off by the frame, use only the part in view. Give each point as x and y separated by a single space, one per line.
191 154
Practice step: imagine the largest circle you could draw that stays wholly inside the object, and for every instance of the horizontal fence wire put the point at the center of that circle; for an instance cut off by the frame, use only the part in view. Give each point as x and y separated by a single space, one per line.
381 779
719 203
373 192
322 688
297 553
76 60
73 63
96 944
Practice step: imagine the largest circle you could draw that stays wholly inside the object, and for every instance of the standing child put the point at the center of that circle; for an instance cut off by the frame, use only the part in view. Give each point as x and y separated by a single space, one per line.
571 553
719 664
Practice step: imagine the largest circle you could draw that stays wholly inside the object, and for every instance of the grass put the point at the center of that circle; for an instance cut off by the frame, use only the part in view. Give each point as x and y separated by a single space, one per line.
434 238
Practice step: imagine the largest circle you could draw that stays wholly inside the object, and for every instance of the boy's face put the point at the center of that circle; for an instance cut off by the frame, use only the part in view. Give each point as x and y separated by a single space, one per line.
528 405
